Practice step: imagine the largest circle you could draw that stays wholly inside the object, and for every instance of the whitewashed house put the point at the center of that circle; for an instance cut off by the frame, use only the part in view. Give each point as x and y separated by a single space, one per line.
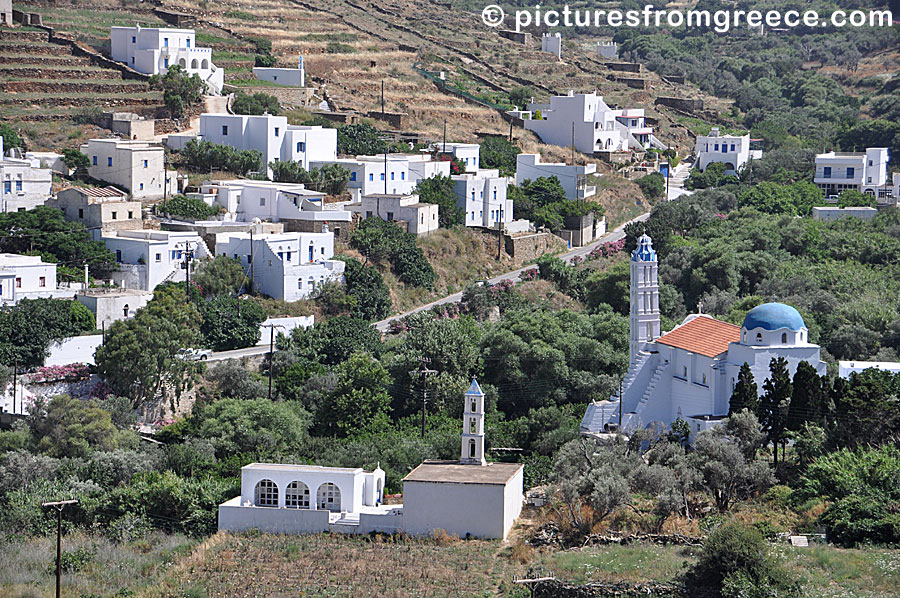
50 160
595 126
483 196
28 277
419 218
27 183
282 76
111 304
466 498
138 166
152 51
286 266
690 372
272 136
290 203
866 172
467 153
572 177
734 151
147 258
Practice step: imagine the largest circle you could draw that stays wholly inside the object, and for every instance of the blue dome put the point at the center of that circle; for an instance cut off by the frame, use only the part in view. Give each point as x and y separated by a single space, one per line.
773 316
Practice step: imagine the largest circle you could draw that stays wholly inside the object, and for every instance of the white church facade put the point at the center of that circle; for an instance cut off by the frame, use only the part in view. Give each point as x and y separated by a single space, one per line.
467 498
690 372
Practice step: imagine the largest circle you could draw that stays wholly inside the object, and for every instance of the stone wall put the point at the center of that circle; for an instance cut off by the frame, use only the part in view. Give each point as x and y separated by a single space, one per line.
398 120
341 230
632 82
527 247
555 588
521 37
686 104
287 96
627 67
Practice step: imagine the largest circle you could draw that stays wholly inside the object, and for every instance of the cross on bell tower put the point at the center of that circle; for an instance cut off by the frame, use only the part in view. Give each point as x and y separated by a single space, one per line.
645 325
473 426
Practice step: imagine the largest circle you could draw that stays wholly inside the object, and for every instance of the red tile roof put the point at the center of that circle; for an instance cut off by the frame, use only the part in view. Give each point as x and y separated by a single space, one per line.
101 191
703 335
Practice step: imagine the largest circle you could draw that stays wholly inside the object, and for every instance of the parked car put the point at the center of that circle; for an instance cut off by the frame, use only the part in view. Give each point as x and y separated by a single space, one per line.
194 354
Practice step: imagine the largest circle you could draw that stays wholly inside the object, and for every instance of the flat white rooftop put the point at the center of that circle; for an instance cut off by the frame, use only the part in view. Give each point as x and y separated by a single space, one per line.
300 468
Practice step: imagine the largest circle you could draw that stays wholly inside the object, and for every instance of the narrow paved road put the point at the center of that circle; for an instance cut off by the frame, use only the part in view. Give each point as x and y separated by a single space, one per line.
238 353
515 275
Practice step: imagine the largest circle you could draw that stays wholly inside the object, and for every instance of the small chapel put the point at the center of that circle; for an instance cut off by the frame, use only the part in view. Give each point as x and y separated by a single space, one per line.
690 372
469 497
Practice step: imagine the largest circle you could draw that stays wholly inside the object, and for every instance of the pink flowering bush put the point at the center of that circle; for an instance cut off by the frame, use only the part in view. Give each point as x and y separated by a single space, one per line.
607 249
529 274
72 372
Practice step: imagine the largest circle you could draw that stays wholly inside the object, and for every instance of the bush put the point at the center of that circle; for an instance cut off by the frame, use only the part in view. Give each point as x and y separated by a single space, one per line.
653 186
861 487
10 136
359 139
180 90
189 208
366 286
206 156
378 239
735 562
330 178
257 104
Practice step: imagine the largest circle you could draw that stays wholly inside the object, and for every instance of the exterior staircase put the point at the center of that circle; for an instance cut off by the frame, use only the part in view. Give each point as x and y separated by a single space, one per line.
648 392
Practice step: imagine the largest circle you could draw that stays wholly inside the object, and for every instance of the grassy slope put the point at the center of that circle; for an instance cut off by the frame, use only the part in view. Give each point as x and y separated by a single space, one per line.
336 565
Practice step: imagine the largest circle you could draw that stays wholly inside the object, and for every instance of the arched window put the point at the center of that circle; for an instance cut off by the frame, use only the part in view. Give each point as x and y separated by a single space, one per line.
205 64
182 62
703 381
194 64
296 496
759 337
473 406
266 494
684 371
784 338
378 490
472 426
471 449
328 497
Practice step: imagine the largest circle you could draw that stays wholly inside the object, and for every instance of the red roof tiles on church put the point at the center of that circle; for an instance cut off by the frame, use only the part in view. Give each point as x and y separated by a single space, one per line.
703 335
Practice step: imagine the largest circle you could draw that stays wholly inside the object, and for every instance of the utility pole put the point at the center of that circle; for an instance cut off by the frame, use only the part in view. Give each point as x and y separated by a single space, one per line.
271 328
510 128
425 372
445 136
59 506
621 384
499 240
251 258
385 171
382 97
15 383
188 256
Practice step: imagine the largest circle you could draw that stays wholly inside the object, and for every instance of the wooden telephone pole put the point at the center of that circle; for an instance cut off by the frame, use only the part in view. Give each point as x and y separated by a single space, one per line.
59 506
271 328
424 371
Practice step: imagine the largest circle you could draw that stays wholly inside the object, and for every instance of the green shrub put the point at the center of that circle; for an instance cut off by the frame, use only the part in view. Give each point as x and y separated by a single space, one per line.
735 563
189 208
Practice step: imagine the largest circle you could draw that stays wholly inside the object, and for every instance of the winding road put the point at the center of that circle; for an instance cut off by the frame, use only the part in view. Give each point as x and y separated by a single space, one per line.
515 275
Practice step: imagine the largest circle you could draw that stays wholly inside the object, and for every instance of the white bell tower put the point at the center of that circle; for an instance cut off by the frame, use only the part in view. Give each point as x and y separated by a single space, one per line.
473 426
645 326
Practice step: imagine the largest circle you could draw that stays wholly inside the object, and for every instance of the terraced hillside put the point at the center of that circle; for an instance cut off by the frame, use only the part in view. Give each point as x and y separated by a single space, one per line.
352 45
44 85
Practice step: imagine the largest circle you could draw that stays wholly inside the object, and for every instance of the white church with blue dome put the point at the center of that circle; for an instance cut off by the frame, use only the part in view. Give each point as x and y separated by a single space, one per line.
690 372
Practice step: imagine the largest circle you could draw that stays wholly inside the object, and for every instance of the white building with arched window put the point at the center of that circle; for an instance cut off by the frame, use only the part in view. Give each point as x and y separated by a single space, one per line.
152 51
467 498
690 372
